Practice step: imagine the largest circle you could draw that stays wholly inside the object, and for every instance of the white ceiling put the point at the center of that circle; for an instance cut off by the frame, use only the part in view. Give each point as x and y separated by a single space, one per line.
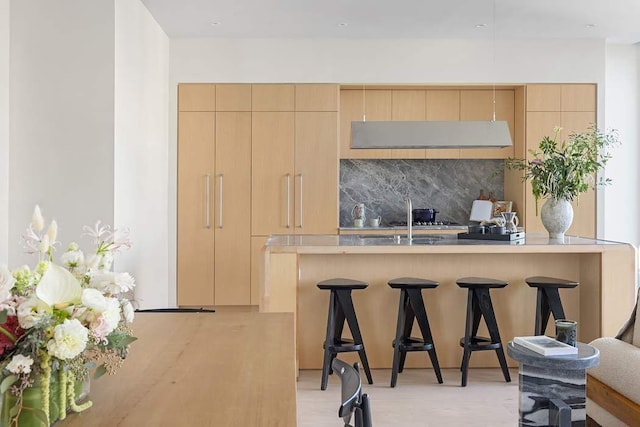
615 20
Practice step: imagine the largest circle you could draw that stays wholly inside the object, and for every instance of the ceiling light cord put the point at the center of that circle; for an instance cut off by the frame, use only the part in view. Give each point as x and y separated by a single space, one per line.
364 111
493 64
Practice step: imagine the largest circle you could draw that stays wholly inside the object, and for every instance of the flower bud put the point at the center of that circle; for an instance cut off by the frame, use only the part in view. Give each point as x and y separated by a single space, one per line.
52 231
44 244
37 221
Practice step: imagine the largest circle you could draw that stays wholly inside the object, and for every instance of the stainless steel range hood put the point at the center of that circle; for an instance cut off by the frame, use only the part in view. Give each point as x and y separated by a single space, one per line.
430 134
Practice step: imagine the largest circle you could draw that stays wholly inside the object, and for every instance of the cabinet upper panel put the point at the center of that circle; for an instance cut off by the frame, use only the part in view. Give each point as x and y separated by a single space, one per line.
196 97
273 97
578 97
232 97
317 97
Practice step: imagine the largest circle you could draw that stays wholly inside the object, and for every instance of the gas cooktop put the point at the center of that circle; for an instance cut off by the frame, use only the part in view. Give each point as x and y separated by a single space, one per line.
437 225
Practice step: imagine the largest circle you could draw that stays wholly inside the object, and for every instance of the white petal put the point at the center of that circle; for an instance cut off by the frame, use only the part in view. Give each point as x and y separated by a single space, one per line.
58 286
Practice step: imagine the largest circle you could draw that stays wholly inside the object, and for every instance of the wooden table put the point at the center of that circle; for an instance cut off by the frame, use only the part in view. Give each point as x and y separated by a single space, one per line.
200 369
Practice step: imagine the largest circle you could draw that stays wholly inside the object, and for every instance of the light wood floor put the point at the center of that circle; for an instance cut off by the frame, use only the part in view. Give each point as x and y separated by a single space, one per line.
417 400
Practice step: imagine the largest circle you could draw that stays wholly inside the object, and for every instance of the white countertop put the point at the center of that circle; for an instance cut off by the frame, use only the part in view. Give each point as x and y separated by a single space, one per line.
434 243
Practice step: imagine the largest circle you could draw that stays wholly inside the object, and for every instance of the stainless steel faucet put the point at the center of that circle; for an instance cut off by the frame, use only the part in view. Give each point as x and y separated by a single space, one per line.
409 220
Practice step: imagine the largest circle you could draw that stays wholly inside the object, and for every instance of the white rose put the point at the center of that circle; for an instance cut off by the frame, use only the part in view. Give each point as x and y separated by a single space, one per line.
69 340
20 364
31 312
6 283
127 311
124 282
93 299
112 314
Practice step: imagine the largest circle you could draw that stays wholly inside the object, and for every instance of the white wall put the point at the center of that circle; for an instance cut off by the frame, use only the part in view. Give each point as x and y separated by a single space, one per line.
141 151
4 131
373 61
62 130
621 200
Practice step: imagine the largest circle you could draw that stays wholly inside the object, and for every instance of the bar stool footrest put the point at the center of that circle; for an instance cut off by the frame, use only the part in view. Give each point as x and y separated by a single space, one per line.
342 346
481 343
413 344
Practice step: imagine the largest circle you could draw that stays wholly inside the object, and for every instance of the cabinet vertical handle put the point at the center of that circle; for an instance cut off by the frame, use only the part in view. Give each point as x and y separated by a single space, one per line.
207 200
300 201
220 186
288 203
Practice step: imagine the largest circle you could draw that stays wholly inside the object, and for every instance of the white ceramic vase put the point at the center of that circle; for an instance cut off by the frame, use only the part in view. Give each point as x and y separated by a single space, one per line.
556 216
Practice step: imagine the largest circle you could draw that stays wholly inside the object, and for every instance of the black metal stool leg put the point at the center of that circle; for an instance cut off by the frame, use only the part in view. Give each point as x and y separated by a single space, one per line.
350 314
490 318
409 316
417 303
555 304
467 337
329 340
400 327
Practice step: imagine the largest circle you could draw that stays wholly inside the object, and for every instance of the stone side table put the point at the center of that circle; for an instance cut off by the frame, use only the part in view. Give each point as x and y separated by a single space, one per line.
553 384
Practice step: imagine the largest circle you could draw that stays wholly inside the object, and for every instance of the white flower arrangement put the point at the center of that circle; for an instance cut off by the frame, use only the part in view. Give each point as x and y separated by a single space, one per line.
59 322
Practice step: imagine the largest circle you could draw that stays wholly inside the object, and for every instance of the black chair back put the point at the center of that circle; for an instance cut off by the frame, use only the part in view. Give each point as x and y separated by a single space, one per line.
353 401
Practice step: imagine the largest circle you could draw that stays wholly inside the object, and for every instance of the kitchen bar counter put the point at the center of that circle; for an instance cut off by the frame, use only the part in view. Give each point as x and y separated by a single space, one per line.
293 265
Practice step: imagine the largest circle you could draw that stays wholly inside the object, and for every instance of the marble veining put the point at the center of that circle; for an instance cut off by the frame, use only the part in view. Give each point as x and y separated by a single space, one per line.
450 186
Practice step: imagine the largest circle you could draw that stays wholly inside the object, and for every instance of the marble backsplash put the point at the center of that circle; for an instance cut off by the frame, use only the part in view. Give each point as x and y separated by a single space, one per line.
449 186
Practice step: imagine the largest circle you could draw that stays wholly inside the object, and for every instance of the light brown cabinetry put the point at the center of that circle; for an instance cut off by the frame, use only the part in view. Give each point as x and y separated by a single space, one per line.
214 187
197 97
424 104
294 167
573 108
478 105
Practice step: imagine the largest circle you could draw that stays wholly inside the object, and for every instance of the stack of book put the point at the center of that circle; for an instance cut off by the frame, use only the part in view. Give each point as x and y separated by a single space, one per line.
545 345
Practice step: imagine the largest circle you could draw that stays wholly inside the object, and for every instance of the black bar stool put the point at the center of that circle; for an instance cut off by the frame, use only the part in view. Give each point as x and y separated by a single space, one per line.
548 300
412 307
341 310
479 305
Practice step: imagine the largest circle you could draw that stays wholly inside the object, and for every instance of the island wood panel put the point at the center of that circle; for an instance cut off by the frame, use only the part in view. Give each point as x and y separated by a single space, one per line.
196 97
195 238
478 105
353 105
257 268
316 173
376 306
408 105
442 105
317 97
233 97
200 369
272 161
600 303
232 216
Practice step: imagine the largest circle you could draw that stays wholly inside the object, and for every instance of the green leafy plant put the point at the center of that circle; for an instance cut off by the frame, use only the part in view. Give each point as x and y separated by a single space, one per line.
564 170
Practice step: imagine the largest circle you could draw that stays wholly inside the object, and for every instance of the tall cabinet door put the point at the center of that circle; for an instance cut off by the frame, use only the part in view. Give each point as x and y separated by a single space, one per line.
195 245
316 172
232 216
272 159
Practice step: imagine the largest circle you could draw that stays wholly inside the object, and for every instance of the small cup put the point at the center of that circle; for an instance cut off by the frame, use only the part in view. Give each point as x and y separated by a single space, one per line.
567 331
477 229
375 222
358 222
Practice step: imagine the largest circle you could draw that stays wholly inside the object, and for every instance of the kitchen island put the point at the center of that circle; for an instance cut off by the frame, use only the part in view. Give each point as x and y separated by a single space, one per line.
293 265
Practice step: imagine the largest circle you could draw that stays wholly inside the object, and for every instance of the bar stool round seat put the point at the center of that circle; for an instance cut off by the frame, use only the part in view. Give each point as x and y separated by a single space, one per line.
341 310
548 299
479 306
412 309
